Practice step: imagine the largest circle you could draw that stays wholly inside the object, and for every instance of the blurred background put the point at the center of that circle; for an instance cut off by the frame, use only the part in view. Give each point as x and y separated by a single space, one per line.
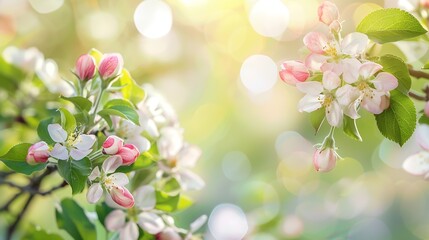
217 63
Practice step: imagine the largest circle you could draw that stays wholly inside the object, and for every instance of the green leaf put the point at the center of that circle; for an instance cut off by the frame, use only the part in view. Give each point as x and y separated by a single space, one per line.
168 203
75 172
390 25
424 119
131 90
118 102
120 111
72 218
143 161
142 177
350 128
398 122
15 160
42 131
169 186
67 120
37 233
316 119
399 69
81 103
426 66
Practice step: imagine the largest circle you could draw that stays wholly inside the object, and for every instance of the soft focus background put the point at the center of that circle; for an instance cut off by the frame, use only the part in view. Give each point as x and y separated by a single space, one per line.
216 62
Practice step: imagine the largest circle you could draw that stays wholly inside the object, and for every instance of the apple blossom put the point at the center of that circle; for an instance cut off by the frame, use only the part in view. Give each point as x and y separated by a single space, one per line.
168 234
38 153
110 65
132 133
424 3
177 156
76 146
374 88
129 153
112 182
29 60
328 12
50 77
85 67
293 72
418 164
323 94
112 145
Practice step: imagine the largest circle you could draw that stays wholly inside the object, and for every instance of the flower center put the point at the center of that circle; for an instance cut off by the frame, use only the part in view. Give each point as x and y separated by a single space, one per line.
329 98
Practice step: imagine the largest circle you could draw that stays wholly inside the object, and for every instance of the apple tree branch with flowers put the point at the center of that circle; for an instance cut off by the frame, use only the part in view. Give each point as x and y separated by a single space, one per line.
343 75
120 141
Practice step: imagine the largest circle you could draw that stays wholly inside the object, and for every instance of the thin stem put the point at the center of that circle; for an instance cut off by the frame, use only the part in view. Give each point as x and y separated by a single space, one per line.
417 96
6 206
97 102
15 224
418 74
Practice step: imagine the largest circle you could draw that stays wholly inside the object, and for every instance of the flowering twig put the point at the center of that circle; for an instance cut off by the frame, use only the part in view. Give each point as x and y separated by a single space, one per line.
418 74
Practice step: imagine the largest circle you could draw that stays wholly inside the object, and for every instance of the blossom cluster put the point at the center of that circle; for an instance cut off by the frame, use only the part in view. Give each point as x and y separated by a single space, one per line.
116 142
338 78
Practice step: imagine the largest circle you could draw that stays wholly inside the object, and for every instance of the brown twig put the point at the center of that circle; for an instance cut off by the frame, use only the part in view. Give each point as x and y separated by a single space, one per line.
418 74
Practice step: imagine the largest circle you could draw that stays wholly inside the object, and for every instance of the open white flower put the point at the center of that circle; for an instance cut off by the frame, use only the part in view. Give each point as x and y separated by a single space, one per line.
131 133
143 215
418 164
76 146
177 157
374 88
49 75
323 94
112 182
29 60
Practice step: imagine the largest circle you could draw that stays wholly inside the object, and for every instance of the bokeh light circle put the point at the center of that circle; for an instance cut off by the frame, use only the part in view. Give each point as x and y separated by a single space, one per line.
46 6
153 18
228 221
236 166
269 17
258 73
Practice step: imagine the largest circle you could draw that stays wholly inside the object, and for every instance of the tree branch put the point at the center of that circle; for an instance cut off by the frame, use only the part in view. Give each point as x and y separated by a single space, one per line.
418 74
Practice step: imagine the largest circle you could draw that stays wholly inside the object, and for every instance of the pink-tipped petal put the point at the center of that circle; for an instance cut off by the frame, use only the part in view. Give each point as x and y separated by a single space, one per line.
316 42
111 65
324 160
369 69
314 61
129 153
122 196
328 12
85 67
112 145
354 44
331 80
385 82
293 71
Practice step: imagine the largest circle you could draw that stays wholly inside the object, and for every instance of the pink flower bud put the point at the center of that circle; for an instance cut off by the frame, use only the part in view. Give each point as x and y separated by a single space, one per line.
293 72
122 196
129 154
335 26
85 67
111 65
426 110
324 160
38 153
328 12
112 145
168 234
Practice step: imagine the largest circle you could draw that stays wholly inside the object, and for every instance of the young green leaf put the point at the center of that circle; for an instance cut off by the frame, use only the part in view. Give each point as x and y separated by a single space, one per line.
102 211
131 90
398 122
166 202
350 128
390 25
67 120
72 218
118 102
97 55
75 173
399 69
145 160
42 131
120 111
15 160
81 103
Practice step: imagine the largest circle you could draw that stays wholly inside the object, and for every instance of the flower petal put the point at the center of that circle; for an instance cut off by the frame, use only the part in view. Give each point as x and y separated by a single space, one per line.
57 133
198 223
119 179
60 152
331 80
312 87
129 232
347 94
151 222
315 61
350 68
170 142
84 142
369 69
334 114
422 135
115 220
373 104
111 164
188 156
94 193
417 164
316 42
122 196
77 154
309 103
94 174
142 144
145 197
385 82
354 44
189 180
